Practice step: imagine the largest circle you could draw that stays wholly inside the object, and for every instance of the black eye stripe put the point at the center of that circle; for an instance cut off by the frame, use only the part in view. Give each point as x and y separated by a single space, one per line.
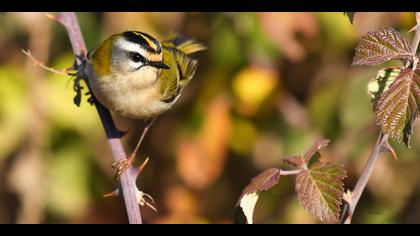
136 57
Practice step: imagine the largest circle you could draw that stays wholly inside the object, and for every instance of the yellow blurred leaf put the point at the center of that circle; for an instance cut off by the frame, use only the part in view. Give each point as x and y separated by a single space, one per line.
252 85
14 108
243 136
339 32
68 184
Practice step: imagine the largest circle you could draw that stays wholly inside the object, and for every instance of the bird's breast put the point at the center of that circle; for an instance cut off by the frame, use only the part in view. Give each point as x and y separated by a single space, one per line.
135 96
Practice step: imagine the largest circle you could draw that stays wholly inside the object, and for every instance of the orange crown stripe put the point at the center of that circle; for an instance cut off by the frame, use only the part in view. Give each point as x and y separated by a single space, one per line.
151 43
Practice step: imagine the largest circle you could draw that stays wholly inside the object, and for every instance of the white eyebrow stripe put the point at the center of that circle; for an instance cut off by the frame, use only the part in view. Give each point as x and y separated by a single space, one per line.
130 46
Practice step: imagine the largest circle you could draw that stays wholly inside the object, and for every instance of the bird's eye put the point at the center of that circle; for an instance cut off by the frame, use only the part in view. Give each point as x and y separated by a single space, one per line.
136 57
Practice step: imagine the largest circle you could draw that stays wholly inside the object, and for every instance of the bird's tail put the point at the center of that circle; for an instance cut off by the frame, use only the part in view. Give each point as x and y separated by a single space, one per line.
185 44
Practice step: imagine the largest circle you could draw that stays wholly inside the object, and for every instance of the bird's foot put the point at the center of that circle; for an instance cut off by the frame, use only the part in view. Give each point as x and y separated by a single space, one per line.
142 200
121 166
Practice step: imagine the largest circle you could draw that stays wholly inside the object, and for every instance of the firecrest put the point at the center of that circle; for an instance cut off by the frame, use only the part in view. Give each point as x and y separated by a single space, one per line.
135 75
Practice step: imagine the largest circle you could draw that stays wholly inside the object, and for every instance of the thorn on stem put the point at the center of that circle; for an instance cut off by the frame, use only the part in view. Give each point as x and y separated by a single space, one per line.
141 197
123 132
53 17
386 147
141 167
348 196
114 193
348 201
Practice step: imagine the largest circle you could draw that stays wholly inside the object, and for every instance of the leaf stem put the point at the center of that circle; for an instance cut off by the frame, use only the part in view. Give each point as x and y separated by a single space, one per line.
290 172
69 21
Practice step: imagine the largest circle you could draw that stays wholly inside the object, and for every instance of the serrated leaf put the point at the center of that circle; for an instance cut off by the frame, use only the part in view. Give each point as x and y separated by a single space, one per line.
380 84
398 108
320 190
264 181
318 145
350 15
380 46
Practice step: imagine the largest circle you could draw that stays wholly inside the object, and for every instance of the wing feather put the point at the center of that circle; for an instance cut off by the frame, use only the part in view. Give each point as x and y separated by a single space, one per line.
182 67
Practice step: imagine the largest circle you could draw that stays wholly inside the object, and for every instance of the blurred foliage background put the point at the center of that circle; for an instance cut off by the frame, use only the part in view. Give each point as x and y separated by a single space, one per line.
267 87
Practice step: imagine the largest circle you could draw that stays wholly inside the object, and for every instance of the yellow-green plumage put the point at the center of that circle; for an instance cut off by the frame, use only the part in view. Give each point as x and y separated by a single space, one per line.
102 58
136 91
181 66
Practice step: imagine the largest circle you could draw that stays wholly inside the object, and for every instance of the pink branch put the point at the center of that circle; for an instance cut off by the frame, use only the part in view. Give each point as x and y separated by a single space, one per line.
69 21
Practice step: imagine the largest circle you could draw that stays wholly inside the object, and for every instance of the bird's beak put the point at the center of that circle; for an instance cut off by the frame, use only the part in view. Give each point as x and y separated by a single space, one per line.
158 64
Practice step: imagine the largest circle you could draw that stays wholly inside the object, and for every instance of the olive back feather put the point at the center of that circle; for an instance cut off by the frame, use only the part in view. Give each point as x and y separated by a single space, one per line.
176 52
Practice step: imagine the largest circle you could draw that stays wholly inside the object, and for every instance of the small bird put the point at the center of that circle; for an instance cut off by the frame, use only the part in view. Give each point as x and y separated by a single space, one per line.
136 76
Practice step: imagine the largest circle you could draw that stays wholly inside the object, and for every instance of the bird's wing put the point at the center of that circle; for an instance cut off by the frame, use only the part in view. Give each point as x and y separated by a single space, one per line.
182 67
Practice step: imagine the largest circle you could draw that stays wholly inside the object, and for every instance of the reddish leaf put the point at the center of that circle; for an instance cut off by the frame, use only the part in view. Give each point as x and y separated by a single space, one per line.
309 157
398 107
320 189
264 181
318 145
380 46
295 161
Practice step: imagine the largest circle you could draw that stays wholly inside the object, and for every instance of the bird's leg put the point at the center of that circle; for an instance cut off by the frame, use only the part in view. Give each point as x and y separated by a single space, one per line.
124 164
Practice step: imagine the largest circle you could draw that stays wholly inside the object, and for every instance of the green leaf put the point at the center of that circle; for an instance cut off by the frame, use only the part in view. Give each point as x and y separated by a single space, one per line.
380 46
320 189
380 84
350 15
264 181
398 107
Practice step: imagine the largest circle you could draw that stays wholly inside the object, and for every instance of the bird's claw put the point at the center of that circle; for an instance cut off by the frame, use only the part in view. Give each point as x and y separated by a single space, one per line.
142 200
121 166
91 99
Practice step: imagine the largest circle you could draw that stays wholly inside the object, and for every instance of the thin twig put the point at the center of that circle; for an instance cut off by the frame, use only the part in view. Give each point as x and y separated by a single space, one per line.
69 21
353 197
416 39
40 64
